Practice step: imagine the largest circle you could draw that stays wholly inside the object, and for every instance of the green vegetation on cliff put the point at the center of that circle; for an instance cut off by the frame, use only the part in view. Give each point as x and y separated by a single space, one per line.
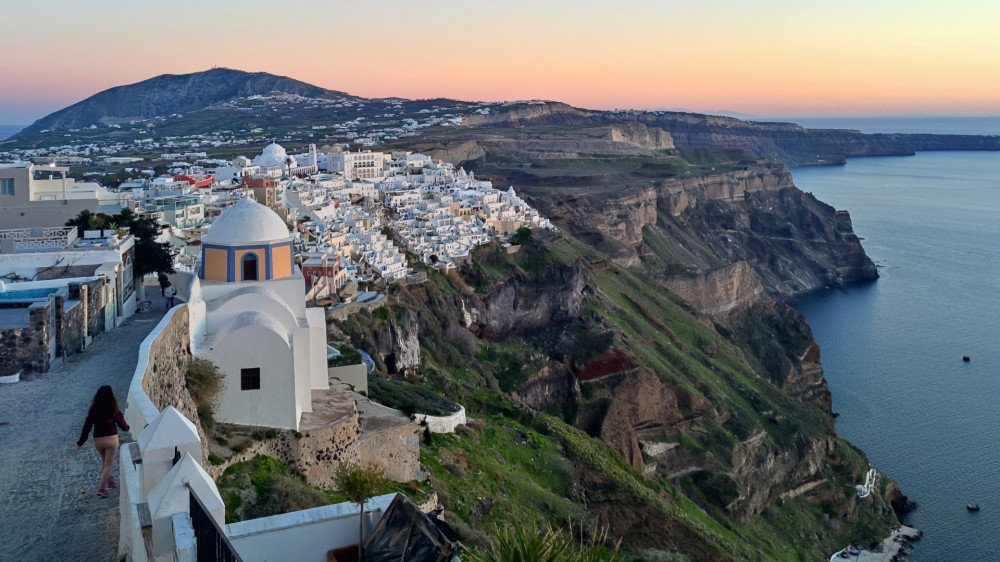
548 444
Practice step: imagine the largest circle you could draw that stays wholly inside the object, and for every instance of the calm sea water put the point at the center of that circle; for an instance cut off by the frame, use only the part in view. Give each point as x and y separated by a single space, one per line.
938 125
6 131
892 349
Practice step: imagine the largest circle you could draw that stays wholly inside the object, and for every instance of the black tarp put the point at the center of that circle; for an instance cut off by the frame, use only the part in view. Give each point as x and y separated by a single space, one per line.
406 534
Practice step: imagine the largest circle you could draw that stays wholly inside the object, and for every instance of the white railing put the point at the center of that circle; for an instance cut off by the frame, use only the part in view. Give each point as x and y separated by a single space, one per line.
33 239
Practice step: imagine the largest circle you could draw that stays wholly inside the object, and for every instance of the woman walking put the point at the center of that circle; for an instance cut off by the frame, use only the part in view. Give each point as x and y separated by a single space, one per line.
103 416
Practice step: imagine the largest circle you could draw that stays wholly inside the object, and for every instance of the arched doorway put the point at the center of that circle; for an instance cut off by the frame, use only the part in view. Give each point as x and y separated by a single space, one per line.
250 267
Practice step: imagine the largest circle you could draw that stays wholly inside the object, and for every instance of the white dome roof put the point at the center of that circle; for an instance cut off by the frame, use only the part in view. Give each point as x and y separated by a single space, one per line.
274 150
246 222
273 155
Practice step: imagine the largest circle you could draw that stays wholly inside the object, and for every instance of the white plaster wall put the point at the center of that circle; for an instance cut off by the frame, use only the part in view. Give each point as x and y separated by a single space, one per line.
27 264
130 542
274 404
443 424
303 377
223 309
312 531
291 289
316 319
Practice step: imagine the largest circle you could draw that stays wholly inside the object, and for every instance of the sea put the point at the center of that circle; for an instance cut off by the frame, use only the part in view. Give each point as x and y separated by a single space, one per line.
892 349
7 131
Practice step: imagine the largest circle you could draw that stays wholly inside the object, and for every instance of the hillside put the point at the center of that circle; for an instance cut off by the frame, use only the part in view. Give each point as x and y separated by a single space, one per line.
190 106
173 93
639 370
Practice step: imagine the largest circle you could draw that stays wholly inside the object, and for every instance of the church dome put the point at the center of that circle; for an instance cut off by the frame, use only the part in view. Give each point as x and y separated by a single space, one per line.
246 222
274 150
274 155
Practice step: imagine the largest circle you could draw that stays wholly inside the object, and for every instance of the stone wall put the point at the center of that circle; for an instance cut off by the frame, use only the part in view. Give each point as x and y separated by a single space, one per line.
69 327
315 453
28 348
396 450
169 355
350 308
91 295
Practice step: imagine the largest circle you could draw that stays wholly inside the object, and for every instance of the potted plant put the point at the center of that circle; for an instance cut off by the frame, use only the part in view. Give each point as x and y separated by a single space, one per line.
10 374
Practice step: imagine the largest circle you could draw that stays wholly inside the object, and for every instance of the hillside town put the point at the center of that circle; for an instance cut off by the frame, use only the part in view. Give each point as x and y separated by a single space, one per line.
257 246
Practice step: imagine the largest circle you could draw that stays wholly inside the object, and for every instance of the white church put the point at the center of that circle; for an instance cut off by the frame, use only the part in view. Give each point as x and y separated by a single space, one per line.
275 161
258 331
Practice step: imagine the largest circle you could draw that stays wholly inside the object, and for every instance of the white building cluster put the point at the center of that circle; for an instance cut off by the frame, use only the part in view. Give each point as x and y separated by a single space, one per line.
434 211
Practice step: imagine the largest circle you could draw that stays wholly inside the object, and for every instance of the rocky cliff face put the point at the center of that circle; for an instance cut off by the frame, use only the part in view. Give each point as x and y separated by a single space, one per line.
722 292
524 305
784 142
794 242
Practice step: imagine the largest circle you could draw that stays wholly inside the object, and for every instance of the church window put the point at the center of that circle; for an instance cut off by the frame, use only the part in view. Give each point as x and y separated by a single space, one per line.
250 379
250 267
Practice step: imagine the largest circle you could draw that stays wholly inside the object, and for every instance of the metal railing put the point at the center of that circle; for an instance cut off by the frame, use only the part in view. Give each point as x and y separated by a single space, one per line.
212 545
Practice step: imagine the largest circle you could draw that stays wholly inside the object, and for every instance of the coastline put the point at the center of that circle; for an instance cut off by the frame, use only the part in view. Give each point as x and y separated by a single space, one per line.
891 548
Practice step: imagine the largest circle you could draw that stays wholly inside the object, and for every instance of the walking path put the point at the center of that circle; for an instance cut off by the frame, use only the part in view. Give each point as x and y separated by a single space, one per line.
870 480
43 514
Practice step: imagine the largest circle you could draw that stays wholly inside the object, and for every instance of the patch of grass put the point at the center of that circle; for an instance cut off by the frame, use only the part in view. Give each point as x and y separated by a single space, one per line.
265 486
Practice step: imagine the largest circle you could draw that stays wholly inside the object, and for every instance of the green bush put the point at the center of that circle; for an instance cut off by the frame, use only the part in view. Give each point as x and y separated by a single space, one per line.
348 356
204 381
409 398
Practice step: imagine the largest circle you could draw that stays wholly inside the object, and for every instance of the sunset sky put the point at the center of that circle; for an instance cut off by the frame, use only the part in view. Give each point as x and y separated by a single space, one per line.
764 58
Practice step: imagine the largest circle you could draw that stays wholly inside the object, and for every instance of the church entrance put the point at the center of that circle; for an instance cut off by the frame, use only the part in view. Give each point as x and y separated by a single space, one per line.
250 267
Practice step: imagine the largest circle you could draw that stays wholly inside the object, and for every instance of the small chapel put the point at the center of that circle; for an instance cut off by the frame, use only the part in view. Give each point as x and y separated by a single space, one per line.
258 331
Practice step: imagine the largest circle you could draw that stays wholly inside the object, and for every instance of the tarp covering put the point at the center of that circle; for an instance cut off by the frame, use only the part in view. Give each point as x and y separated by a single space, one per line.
406 534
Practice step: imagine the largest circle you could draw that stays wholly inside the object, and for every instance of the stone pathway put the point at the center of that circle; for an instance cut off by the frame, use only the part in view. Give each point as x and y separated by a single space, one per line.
43 514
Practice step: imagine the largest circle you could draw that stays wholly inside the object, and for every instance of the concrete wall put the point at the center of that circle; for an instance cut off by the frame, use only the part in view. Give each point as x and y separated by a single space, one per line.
313 532
443 424
354 375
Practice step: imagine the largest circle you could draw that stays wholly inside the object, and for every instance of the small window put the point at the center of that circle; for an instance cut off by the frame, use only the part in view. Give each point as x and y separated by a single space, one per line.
250 379
6 186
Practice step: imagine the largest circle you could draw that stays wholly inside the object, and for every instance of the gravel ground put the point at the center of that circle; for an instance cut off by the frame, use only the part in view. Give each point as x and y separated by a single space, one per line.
49 509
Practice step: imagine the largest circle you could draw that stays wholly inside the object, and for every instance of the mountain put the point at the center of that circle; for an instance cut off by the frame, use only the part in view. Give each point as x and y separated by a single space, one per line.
173 93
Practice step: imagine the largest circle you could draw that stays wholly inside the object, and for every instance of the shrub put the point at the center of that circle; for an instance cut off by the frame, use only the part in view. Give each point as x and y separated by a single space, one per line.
348 356
204 381
408 397
285 494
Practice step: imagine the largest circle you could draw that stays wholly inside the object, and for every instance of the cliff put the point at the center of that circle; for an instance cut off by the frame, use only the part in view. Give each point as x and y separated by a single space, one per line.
787 143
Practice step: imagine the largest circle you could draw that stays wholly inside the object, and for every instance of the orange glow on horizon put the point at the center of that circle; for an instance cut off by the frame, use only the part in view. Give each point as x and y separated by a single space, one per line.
772 57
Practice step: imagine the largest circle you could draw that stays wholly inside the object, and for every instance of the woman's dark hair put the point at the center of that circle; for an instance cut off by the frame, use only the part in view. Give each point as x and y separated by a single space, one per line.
104 404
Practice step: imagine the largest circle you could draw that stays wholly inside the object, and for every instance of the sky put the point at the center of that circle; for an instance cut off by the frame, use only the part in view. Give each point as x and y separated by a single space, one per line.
762 58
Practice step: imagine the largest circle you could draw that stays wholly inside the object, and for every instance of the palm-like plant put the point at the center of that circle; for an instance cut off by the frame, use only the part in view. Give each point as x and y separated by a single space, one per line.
521 543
